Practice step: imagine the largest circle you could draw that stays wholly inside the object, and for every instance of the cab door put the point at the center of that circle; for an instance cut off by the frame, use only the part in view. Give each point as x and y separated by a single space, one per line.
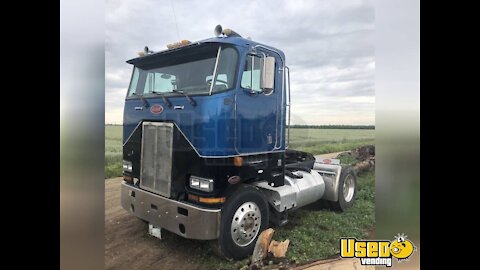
258 109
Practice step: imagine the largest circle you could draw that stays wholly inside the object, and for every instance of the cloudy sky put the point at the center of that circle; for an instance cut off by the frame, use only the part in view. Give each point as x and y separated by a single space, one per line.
329 47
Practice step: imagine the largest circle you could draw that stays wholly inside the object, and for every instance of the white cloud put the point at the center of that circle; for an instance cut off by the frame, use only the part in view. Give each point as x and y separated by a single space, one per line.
113 115
329 46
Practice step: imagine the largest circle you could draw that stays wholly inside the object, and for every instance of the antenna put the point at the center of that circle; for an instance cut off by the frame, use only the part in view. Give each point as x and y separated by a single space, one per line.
175 18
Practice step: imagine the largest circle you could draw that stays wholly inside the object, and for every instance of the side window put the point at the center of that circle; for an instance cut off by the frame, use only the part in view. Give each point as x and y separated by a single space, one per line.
133 82
252 73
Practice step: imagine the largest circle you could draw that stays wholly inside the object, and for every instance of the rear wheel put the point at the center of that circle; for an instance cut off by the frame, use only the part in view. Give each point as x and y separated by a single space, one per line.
347 190
244 216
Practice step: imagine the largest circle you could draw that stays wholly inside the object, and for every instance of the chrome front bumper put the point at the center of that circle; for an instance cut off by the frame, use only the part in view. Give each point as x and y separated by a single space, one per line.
186 220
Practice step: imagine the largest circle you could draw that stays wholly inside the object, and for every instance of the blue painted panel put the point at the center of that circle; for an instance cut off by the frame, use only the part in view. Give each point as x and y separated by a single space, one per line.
208 126
214 126
259 117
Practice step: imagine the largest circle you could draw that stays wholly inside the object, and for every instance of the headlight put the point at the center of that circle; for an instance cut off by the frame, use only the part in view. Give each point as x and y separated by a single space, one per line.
127 166
201 183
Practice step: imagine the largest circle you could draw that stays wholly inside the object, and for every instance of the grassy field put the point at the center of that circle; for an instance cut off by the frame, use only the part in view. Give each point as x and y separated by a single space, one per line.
113 151
315 141
319 141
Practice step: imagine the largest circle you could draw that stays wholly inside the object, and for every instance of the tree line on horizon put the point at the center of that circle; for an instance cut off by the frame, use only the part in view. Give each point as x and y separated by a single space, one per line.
334 126
313 126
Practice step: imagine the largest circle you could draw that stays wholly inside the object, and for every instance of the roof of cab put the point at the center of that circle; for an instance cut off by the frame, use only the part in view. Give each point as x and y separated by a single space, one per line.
238 41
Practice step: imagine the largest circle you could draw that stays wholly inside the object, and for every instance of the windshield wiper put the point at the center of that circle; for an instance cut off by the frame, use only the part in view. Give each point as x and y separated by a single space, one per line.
165 99
187 96
145 102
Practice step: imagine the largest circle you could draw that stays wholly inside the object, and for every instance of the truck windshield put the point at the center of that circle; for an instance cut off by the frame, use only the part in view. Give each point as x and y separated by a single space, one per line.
189 70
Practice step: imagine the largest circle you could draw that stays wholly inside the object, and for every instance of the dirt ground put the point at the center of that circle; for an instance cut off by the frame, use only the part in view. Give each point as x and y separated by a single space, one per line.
129 246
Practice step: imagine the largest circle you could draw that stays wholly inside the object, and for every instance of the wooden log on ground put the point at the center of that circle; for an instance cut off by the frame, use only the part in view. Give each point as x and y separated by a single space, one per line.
278 249
261 246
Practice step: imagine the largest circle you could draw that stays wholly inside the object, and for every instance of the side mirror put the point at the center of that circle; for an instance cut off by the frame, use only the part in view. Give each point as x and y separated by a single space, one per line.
268 74
261 73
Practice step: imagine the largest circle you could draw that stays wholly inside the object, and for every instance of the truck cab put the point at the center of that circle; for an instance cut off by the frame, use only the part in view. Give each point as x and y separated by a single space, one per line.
205 143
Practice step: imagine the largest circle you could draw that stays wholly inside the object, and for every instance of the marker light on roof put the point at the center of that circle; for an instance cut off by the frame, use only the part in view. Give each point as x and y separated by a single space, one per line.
178 44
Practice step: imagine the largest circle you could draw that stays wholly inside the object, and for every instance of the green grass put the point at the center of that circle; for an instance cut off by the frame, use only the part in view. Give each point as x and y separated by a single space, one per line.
113 151
348 160
315 141
320 141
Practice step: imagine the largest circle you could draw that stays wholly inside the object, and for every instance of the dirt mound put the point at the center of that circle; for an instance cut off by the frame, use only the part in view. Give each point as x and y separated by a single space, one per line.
365 152
364 158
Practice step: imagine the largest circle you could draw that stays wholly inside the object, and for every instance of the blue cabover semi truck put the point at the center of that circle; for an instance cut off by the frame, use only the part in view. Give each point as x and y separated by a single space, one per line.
205 144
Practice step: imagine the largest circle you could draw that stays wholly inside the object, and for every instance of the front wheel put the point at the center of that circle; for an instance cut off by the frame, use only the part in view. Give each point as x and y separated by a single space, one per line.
347 190
244 216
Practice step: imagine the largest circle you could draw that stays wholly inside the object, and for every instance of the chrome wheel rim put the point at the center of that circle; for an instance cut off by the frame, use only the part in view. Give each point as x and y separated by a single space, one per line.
245 224
348 188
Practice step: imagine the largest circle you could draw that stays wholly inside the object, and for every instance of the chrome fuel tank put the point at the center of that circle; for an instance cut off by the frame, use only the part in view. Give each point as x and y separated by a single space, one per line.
296 192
